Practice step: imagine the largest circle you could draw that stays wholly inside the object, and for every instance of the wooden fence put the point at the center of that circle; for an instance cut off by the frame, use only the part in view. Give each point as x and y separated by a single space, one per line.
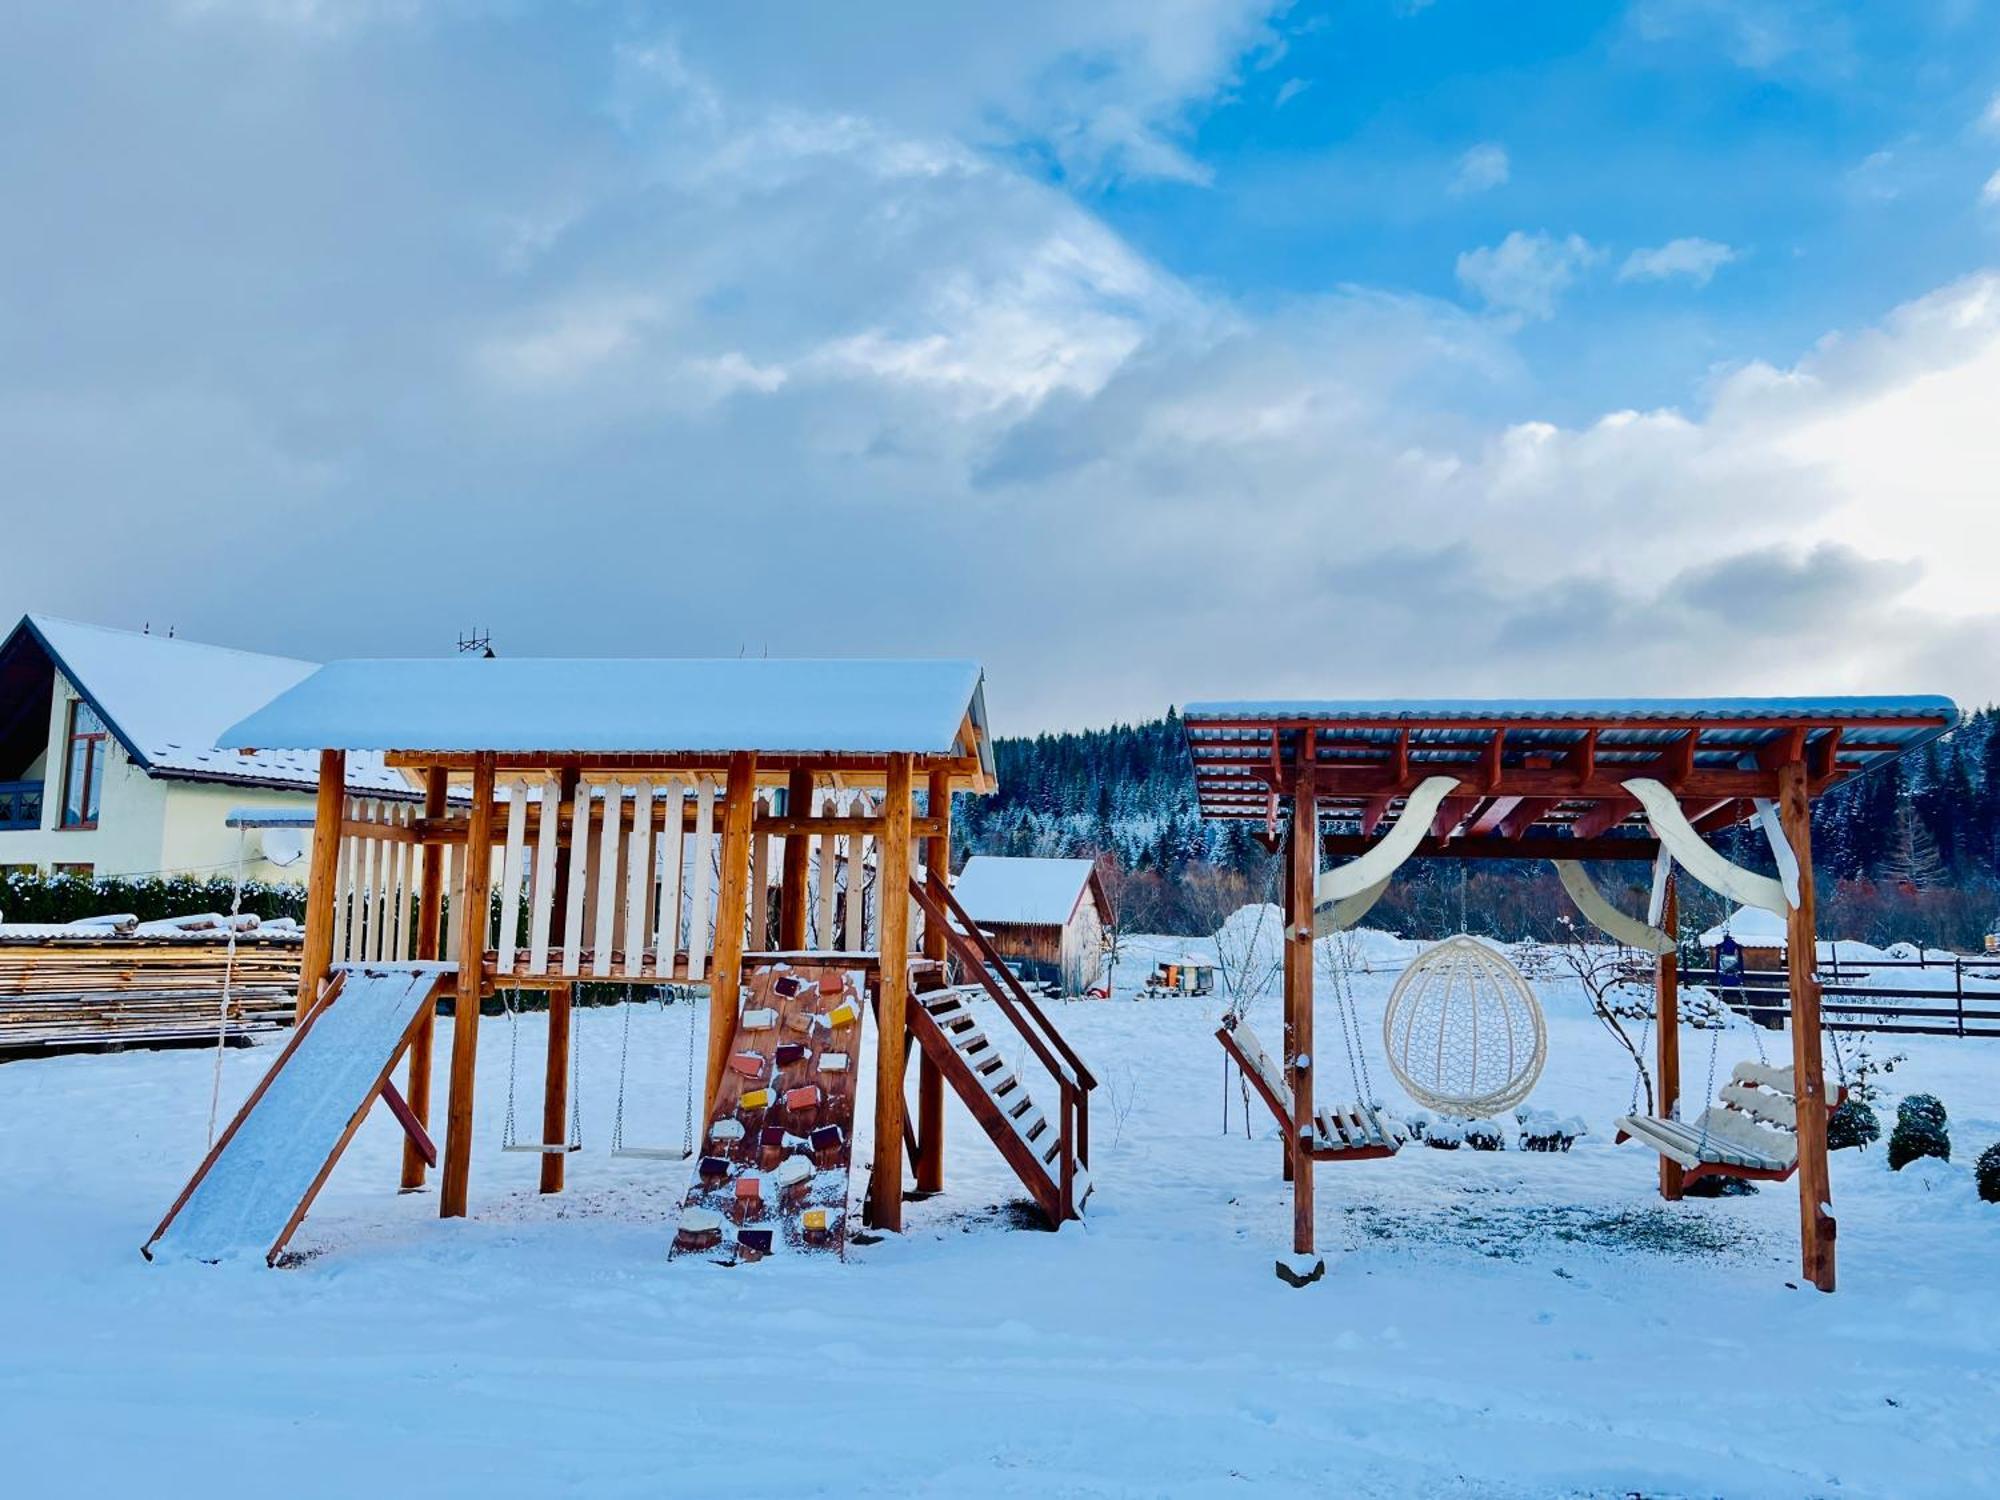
1848 1003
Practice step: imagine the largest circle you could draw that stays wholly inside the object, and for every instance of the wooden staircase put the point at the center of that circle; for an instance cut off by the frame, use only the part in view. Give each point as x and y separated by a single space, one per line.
1050 1156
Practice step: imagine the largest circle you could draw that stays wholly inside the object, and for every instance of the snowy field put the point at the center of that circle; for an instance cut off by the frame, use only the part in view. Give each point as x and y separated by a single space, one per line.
1490 1325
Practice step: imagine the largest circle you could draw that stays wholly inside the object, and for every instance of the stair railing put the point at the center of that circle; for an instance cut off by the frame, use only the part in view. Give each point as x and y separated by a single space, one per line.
1074 1080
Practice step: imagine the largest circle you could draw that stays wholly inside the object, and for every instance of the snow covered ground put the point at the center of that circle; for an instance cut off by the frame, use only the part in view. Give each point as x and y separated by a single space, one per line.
1491 1324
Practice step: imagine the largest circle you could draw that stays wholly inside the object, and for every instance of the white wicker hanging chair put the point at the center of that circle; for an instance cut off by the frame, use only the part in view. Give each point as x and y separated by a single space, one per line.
1463 1031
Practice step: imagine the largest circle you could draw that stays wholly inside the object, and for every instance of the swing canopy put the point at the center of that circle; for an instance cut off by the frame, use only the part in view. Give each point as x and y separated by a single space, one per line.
1538 777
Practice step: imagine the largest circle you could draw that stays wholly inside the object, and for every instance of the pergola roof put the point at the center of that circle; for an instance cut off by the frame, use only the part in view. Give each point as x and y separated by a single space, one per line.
1539 769
841 715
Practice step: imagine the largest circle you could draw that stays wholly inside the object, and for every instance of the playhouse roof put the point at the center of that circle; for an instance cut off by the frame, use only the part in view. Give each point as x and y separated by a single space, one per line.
1022 891
660 706
1556 766
167 701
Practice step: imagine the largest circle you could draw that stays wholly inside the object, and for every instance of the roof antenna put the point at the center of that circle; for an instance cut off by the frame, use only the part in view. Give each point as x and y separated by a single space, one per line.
479 641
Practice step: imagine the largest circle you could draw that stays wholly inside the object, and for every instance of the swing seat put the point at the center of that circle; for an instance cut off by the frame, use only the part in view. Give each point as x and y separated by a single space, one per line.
1752 1134
1355 1133
652 1153
543 1148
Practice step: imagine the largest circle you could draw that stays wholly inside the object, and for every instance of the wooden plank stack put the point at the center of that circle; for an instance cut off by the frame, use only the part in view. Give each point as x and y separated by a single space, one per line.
93 992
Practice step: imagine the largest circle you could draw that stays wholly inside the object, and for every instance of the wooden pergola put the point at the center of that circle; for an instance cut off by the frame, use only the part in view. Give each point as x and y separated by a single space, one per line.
638 822
1374 783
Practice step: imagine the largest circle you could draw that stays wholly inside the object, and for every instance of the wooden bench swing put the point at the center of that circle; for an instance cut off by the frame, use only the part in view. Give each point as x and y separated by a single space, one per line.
1751 1134
1348 1133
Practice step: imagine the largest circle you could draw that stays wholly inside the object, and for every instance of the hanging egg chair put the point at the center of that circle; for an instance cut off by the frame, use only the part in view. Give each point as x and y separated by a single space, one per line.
1463 1031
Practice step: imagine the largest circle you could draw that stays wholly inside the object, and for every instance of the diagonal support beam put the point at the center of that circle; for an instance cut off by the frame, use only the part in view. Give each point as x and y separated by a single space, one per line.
1605 917
1693 854
1397 845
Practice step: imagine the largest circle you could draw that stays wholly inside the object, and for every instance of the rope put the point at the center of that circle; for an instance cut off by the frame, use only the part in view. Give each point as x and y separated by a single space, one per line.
228 982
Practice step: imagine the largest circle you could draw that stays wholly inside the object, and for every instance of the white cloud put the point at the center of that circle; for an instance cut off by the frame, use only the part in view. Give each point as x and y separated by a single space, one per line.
1289 90
1484 166
1760 35
1526 273
1991 119
1991 192
1696 259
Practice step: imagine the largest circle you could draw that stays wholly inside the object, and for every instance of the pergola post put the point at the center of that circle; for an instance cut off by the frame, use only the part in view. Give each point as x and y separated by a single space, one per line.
1302 861
725 977
1667 1022
555 1086
1816 1223
316 955
472 926
930 1081
794 878
885 1182
430 923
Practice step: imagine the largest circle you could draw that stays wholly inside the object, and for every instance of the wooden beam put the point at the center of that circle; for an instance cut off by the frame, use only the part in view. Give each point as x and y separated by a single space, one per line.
930 1079
423 1042
1372 814
472 922
555 1086
1677 762
1347 846
1515 781
1301 865
316 953
794 877
773 766
885 1183
1493 817
1816 1223
725 981
1667 1023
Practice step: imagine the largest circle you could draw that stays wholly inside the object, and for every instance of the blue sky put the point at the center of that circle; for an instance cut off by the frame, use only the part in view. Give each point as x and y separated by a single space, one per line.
1463 348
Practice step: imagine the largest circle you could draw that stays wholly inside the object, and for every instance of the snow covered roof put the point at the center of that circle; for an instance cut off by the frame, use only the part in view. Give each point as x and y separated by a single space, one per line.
167 701
1582 710
1751 926
1033 892
651 706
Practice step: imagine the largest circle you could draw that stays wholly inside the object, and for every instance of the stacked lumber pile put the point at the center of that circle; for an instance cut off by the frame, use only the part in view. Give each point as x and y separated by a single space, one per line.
80 991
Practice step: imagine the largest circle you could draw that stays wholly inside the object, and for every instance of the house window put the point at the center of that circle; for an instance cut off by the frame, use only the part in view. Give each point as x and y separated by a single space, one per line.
83 768
79 872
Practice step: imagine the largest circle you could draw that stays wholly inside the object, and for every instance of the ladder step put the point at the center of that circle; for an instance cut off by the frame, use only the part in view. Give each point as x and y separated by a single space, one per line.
967 1040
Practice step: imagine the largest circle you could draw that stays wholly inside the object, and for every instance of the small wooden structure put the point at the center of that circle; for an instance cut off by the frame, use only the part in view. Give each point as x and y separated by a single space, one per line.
1375 783
1759 935
1047 917
607 821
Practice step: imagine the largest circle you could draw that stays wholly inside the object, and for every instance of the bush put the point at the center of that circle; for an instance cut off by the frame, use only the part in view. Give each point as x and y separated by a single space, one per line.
1484 1135
1852 1126
67 898
1920 1131
1986 1173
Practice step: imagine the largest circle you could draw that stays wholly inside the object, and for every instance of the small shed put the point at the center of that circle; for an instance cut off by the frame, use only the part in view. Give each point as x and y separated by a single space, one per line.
1759 933
1047 917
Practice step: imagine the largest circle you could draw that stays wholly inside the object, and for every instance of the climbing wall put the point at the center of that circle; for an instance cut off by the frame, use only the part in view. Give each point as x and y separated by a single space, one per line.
771 1173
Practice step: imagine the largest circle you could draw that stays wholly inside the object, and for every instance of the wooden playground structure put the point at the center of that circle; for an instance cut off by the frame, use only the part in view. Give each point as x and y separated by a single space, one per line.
713 823
1376 783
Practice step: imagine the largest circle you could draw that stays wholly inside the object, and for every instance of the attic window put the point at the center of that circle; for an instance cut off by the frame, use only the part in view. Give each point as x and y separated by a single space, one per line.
83 767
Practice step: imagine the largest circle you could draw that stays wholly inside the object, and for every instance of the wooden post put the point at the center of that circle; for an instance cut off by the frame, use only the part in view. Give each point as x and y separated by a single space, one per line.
1302 862
930 1081
885 1183
1667 1021
1816 1224
472 923
725 979
317 954
423 1042
794 880
555 1087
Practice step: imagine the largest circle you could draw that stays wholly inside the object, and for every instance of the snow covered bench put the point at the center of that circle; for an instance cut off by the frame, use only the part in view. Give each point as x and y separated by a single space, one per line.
1349 1133
1751 1133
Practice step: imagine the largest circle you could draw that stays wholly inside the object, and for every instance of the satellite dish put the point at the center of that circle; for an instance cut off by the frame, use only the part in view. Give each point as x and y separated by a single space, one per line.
284 847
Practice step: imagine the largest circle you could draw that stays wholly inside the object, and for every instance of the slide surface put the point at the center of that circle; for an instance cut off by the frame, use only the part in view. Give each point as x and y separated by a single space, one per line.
256 1183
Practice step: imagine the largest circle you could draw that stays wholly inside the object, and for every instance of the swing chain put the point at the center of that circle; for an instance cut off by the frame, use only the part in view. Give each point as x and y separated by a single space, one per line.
513 1061
687 1119
618 1110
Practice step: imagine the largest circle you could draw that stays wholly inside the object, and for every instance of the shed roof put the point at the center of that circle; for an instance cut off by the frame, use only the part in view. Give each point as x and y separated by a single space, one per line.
1022 891
168 701
1751 926
658 706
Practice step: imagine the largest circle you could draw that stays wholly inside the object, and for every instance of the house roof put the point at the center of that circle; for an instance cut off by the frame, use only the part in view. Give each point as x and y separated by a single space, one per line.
628 707
167 701
1021 891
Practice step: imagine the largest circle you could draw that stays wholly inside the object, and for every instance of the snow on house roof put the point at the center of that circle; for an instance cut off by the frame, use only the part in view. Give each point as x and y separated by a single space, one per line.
1033 892
1751 926
662 705
167 701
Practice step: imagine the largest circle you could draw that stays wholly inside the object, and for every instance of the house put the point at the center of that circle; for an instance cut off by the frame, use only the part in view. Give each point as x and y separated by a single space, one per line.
1759 933
108 763
1049 918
